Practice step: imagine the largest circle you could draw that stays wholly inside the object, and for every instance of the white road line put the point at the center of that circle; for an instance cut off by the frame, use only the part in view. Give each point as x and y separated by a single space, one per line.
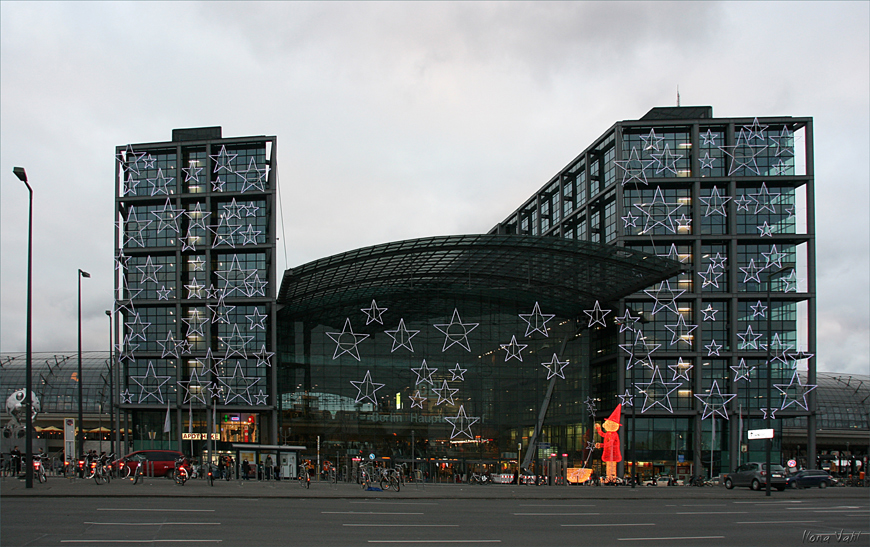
705 504
550 514
773 521
393 503
364 513
435 541
670 538
555 505
154 523
173 510
767 502
406 525
609 525
834 507
90 541
712 512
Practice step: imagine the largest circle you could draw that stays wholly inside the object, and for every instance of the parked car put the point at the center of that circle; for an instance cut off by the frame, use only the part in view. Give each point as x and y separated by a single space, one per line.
807 478
754 475
162 461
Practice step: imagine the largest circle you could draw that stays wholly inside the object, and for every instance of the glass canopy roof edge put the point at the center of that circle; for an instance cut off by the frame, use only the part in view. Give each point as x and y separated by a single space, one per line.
578 270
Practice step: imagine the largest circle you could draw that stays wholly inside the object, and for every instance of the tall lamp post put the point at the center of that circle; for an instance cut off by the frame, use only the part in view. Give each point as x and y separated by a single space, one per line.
111 388
28 390
769 395
81 435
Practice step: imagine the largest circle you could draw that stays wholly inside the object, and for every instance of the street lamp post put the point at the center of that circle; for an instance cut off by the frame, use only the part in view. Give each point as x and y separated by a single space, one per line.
111 388
28 389
769 394
81 435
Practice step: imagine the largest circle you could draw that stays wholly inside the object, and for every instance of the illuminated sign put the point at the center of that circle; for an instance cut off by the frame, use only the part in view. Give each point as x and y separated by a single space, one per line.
760 434
199 436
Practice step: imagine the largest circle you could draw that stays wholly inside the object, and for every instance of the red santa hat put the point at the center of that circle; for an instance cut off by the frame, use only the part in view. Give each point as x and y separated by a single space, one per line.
615 415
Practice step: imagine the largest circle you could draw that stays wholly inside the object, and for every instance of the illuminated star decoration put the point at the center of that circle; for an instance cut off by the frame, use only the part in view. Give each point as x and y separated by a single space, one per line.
160 184
684 222
458 373
666 160
751 272
194 290
424 374
402 337
150 384
461 423
742 371
170 346
137 328
758 309
755 131
253 176
555 367
783 143
264 358
513 349
774 257
220 311
125 349
234 278
718 261
591 405
445 393
633 167
222 160
256 320
771 411
743 203
713 348
195 322
126 397
658 212
238 386
374 313
681 370
665 297
630 220
748 339
715 401
639 351
766 230
626 322
456 332
681 332
417 400
149 270
626 399
764 200
709 313
675 255
657 392
778 348
163 293
743 154
197 264
346 341
536 321
191 172
596 315
236 343
711 276
799 356
652 141
249 236
791 282
715 203
707 161
217 185
260 398
709 137
130 185
129 159
194 389
794 392
366 389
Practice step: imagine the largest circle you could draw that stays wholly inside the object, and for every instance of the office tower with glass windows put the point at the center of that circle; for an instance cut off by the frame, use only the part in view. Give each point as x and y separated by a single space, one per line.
195 289
702 358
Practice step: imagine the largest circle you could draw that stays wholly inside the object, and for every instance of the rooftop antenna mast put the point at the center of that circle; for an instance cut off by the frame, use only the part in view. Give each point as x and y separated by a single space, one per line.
678 95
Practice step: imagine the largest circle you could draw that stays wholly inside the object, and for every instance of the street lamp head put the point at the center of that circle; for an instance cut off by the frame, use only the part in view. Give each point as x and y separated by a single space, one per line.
109 313
20 173
84 273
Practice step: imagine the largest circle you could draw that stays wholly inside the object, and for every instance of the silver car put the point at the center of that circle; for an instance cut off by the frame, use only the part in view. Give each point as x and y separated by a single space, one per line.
753 475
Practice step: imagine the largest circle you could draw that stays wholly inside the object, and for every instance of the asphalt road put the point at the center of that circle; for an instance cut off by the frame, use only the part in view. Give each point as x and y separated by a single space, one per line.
661 518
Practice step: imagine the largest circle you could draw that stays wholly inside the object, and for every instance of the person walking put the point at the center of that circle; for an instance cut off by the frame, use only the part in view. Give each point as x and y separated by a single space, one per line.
268 467
15 456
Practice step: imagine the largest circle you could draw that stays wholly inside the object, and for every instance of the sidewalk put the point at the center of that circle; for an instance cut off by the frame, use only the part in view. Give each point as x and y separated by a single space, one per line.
163 487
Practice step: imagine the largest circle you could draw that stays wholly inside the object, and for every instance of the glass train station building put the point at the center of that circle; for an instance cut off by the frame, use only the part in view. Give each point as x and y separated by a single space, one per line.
668 269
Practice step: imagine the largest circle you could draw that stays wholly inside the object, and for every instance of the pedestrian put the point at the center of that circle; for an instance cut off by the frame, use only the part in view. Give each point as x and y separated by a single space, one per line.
268 467
221 466
245 469
15 456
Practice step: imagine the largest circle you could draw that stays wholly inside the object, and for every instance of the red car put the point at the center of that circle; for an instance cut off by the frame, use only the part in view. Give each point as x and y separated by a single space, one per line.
161 462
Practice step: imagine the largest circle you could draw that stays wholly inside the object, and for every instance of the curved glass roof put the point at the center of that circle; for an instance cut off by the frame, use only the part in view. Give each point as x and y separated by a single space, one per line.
842 400
55 379
562 274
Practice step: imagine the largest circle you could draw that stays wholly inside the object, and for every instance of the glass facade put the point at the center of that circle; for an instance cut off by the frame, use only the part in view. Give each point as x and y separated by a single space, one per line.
732 200
196 286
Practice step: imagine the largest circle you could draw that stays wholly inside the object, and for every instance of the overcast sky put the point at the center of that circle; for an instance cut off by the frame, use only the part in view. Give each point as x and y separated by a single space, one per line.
403 120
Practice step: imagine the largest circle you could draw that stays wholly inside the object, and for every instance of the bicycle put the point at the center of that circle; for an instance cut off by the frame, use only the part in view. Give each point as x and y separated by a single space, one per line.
39 468
390 479
365 477
210 475
333 476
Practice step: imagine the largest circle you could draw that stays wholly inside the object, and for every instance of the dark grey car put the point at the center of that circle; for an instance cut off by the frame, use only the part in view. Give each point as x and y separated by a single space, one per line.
753 475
